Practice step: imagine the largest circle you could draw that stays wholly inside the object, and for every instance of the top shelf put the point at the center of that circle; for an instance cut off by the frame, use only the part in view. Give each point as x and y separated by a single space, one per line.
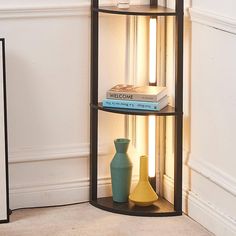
142 10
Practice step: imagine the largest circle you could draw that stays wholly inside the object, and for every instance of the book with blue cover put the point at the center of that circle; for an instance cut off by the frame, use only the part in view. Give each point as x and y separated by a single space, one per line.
136 105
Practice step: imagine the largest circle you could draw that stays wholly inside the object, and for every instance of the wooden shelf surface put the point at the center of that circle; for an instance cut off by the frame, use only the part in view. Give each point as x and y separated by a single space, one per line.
143 10
167 111
160 208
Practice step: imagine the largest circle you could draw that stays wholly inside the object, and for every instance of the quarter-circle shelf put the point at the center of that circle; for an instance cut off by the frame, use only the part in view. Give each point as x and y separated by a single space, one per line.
167 111
161 208
142 10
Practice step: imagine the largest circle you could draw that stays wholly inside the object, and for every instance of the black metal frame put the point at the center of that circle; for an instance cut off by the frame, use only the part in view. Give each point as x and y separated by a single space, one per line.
179 107
177 113
2 40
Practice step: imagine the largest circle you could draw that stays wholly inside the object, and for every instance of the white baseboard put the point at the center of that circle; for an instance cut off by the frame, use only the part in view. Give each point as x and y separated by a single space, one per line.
52 9
209 216
44 10
59 193
56 194
27 190
202 211
33 193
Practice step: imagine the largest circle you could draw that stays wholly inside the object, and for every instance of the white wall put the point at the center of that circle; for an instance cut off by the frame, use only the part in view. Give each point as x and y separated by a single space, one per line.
48 46
212 181
48 73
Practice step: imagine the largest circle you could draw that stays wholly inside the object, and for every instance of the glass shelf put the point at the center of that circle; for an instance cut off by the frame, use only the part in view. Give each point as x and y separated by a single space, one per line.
167 111
159 208
142 10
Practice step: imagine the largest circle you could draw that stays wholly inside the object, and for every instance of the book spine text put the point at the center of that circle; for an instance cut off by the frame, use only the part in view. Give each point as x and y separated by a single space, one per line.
138 105
130 96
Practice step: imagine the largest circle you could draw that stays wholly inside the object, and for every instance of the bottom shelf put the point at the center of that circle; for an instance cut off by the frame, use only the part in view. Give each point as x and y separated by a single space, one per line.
160 208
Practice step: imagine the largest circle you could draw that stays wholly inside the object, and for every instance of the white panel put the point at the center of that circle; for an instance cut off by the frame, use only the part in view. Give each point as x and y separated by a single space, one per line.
48 58
3 198
48 87
214 20
226 8
212 99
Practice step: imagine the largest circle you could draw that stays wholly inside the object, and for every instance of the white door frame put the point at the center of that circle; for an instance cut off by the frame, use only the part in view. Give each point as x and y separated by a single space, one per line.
4 182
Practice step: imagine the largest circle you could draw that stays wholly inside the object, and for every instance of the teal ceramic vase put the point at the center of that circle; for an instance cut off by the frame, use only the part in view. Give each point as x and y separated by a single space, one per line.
121 171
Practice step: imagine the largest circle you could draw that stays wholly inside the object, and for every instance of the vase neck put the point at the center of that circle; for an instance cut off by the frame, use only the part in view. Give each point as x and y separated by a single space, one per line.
121 145
143 168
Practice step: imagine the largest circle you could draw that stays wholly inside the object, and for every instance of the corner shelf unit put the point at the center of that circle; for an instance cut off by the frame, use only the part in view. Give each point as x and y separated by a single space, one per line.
162 207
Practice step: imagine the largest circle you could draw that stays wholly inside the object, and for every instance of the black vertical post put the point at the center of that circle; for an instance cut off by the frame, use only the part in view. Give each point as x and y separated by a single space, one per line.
94 101
179 107
153 3
152 181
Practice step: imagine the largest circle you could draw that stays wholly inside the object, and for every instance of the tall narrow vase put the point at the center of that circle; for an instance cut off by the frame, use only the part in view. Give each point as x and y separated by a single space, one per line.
121 171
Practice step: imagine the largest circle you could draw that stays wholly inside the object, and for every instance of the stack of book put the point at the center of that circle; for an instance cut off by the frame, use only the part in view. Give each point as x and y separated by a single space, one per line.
152 98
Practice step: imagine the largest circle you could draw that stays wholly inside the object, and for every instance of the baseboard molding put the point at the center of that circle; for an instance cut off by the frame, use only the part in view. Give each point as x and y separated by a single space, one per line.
213 174
54 194
61 9
58 193
33 154
213 20
45 10
202 210
209 216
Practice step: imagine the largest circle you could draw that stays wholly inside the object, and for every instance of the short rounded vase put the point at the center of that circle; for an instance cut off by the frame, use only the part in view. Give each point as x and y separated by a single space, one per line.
121 171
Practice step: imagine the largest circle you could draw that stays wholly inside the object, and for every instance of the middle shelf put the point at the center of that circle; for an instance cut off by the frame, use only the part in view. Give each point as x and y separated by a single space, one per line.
167 111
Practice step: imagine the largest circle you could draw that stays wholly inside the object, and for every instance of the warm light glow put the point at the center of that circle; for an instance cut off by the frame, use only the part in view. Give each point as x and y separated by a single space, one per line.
152 50
152 79
151 146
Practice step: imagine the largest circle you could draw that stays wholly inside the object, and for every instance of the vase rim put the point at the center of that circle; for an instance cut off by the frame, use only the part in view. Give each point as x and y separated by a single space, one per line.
122 140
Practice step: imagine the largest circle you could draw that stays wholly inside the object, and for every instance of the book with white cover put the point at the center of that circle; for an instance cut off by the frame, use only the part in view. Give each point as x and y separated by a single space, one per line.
137 93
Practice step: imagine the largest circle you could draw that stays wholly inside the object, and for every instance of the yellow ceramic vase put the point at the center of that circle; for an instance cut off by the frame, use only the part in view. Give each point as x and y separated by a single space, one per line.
143 194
